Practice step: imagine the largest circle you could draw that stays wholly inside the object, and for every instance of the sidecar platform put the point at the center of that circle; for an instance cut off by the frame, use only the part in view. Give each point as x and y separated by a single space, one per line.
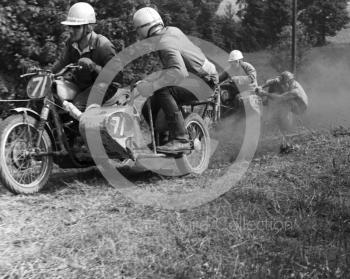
145 154
149 155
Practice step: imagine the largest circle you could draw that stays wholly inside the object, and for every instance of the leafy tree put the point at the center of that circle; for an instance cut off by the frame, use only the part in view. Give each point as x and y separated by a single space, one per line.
207 23
29 32
277 15
254 24
263 20
229 29
323 18
180 14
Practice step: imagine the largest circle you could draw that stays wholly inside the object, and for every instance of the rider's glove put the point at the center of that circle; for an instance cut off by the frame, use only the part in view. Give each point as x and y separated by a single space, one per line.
145 88
87 64
235 80
239 97
258 90
214 78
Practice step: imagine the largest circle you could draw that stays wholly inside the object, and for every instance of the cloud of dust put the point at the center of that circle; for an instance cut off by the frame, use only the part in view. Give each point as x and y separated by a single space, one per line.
229 132
326 80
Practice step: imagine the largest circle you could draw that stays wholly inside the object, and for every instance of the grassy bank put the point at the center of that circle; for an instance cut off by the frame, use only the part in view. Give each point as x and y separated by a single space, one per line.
288 218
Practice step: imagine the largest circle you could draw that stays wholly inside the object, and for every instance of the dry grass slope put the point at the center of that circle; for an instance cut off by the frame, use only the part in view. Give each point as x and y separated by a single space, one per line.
288 218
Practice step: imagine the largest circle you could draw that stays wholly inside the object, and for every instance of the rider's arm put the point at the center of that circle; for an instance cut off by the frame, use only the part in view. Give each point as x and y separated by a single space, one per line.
270 82
63 61
289 95
296 91
105 52
249 71
249 78
223 76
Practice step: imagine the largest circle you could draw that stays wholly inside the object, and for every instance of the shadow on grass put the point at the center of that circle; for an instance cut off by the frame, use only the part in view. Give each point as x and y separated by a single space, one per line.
92 177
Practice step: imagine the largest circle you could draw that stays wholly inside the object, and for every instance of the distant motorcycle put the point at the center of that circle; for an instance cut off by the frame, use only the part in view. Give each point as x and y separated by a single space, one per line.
32 140
227 102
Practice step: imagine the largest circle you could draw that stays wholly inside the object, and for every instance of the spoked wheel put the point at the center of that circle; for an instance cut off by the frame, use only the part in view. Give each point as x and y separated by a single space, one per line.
197 160
21 171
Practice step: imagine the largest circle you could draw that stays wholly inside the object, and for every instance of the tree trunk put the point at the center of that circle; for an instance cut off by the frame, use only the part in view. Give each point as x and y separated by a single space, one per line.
321 38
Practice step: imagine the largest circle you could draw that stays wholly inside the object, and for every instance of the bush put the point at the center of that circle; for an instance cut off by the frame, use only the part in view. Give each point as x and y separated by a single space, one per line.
30 32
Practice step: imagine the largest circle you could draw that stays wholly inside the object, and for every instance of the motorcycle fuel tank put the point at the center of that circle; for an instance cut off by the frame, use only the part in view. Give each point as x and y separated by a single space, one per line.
66 90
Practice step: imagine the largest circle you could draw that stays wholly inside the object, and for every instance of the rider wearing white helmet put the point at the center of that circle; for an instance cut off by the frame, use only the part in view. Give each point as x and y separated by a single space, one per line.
86 48
179 57
242 73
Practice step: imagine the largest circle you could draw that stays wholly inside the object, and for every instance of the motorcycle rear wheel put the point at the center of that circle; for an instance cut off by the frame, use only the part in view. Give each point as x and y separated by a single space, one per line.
20 172
197 160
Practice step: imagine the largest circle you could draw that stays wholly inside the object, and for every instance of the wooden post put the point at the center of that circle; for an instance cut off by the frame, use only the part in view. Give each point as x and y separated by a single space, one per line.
294 39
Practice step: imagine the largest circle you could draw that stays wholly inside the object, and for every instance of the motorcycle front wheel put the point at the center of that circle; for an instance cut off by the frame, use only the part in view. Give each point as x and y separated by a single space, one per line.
197 160
21 172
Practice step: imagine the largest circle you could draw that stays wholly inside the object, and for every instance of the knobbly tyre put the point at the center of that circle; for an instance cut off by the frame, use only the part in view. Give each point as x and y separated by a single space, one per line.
32 140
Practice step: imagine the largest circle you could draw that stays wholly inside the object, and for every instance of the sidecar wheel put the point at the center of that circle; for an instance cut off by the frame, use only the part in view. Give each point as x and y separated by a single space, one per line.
20 172
197 160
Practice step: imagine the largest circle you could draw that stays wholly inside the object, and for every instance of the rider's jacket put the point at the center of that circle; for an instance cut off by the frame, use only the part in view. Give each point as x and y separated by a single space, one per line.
100 50
244 77
301 99
180 57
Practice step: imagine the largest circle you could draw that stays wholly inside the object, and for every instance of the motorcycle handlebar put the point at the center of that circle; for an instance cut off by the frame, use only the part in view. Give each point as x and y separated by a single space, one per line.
36 71
66 68
27 75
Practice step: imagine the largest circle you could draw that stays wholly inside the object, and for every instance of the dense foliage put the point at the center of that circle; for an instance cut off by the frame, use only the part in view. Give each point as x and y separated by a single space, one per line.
323 18
31 33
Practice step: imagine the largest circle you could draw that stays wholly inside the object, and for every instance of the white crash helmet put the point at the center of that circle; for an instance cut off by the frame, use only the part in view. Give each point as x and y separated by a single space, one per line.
235 55
80 13
145 19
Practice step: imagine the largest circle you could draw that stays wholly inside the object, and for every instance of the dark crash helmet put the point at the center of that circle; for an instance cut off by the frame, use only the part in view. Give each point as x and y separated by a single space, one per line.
286 77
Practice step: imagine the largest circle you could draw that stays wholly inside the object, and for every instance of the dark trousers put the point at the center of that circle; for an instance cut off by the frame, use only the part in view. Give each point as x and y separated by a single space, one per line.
168 99
80 101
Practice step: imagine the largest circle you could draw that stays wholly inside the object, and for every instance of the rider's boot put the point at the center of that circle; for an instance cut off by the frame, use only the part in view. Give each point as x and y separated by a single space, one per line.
163 138
175 146
179 141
